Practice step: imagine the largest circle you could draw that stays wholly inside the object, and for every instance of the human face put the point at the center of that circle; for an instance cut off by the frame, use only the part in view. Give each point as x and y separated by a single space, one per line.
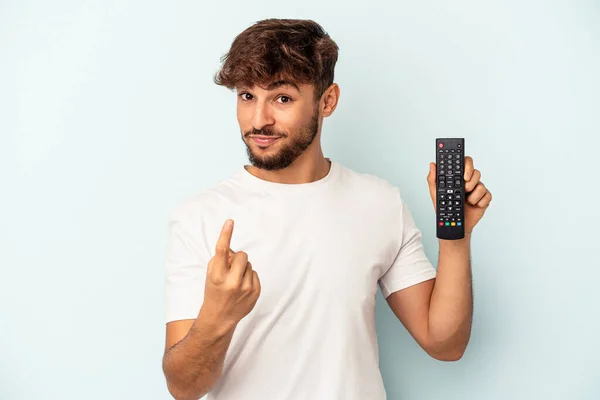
277 124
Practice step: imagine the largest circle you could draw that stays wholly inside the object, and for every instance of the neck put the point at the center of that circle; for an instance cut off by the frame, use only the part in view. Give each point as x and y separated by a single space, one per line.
310 166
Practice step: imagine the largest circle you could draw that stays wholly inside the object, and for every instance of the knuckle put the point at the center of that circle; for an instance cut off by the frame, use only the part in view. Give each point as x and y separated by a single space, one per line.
216 278
246 287
221 250
232 286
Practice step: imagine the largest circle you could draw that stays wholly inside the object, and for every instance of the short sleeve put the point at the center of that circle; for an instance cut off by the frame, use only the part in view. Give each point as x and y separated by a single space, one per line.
185 268
411 265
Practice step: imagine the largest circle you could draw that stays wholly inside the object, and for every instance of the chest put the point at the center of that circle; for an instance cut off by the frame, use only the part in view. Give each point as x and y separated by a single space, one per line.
332 250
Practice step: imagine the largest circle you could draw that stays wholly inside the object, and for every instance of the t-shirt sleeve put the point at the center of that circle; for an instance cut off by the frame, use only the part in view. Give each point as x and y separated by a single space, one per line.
411 265
186 264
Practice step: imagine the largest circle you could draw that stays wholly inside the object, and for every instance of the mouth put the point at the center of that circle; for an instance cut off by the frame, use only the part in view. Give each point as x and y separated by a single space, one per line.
265 141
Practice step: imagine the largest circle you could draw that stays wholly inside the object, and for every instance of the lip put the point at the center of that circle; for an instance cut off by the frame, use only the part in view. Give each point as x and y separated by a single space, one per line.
265 140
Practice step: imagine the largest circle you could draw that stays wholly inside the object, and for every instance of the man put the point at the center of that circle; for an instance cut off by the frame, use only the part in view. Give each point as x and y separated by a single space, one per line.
283 305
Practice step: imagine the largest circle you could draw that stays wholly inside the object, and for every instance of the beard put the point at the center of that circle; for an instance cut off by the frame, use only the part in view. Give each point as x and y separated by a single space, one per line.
288 152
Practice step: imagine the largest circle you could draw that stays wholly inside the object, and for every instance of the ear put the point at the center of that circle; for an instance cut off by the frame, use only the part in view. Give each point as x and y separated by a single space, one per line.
330 99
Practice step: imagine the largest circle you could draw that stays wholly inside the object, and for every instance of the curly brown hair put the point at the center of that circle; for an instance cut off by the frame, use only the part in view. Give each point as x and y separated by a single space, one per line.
273 50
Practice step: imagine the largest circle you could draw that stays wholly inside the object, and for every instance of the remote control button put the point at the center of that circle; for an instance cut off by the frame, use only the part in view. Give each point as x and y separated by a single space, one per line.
450 156
452 223
458 145
442 184
442 177
457 156
457 182
459 223
459 151
452 151
449 190
442 208
457 202
447 223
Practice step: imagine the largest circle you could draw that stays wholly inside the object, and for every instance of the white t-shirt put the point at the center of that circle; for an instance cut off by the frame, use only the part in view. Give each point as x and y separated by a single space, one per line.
321 250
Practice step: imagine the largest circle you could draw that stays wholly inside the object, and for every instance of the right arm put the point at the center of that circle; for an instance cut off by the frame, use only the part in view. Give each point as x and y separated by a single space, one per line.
195 348
193 360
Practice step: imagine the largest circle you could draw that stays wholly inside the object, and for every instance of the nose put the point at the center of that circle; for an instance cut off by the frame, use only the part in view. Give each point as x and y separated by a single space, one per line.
262 116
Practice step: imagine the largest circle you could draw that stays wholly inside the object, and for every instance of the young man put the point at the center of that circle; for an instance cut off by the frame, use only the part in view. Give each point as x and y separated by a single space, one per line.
283 305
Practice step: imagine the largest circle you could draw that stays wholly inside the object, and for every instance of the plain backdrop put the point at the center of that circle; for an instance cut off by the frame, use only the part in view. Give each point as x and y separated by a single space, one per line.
109 118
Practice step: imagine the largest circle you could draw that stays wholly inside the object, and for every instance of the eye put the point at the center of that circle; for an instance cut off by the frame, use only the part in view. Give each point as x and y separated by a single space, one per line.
289 99
245 94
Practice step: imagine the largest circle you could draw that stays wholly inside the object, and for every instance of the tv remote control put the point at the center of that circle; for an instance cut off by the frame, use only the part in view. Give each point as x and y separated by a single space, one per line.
450 186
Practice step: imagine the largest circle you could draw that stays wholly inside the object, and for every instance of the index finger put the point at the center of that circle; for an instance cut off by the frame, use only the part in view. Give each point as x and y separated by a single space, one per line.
224 242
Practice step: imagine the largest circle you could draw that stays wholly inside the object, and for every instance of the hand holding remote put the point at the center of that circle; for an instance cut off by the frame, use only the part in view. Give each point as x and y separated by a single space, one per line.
459 197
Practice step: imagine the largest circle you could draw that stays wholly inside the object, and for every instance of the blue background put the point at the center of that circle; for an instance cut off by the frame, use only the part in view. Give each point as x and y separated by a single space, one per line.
109 117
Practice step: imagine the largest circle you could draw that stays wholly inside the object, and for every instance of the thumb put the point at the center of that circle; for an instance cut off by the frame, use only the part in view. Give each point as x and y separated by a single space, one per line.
432 175
431 181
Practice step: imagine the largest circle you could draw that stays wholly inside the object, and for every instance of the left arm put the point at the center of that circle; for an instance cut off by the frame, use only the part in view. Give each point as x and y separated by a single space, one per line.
438 312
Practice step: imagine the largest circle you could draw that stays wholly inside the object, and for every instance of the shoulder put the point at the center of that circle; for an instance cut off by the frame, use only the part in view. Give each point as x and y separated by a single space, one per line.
369 186
205 203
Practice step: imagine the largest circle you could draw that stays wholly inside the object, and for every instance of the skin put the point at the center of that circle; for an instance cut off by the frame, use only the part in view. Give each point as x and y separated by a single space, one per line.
195 349
437 313
288 110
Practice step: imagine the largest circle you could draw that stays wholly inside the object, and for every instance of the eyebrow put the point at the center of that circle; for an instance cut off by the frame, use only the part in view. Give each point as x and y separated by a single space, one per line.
277 84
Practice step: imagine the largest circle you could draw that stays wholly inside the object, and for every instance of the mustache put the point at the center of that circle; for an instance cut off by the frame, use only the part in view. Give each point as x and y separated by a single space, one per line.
264 132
